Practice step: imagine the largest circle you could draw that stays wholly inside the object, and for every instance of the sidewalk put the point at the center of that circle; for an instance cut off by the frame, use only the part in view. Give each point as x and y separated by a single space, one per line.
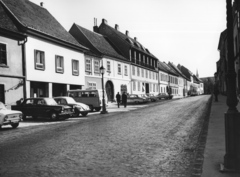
215 145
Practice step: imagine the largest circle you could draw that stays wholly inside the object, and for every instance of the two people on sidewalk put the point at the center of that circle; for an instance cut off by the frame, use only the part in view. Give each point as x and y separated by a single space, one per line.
124 99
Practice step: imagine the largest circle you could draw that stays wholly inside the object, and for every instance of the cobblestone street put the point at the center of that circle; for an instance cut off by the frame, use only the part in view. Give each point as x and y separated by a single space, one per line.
155 140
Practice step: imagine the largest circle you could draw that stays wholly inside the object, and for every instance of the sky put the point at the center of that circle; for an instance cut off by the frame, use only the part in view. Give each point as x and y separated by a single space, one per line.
184 32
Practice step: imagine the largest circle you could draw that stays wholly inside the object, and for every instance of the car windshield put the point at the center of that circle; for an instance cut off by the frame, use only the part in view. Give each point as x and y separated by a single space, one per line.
50 101
70 100
2 106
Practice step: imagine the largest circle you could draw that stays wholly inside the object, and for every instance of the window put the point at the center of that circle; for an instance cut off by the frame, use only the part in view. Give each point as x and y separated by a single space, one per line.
133 70
150 75
75 67
39 60
108 66
146 74
134 86
154 87
119 69
92 85
88 65
142 72
3 54
59 64
139 88
138 71
125 70
96 66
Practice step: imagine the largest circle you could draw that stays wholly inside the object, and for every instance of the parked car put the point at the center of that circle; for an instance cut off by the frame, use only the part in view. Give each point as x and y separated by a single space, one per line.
43 107
9 117
92 98
134 98
79 108
164 96
152 97
145 96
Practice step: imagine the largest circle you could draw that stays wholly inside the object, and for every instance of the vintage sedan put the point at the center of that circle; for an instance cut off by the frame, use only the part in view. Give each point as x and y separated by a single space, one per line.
152 97
134 98
43 107
79 108
9 117
164 96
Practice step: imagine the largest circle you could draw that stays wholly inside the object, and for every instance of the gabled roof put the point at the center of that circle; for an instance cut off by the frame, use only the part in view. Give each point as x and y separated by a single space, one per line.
170 70
36 18
222 38
161 67
174 67
185 71
7 26
128 41
94 41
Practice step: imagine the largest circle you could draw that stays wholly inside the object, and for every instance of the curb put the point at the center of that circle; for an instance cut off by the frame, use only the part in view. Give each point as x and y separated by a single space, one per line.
201 143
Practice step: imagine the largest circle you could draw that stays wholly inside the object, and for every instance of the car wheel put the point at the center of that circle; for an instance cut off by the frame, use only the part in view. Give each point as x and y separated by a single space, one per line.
24 117
91 108
84 114
15 125
97 109
53 115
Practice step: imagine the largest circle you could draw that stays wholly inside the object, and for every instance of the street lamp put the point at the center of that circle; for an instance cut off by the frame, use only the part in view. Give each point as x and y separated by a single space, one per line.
232 116
104 111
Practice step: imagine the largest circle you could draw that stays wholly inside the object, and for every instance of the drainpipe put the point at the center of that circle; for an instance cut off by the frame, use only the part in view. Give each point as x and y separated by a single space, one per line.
22 43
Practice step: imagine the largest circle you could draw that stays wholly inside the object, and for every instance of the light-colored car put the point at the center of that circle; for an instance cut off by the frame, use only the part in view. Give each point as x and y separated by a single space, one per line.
134 98
9 117
79 108
164 96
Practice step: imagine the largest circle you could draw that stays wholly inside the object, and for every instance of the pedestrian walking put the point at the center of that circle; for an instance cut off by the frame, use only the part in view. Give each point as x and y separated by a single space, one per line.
216 92
124 99
118 98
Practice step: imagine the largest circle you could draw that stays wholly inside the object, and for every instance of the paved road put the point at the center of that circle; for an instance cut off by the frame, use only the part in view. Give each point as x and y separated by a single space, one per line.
155 140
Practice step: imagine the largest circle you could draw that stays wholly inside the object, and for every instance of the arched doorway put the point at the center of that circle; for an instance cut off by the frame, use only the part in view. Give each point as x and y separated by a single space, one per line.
110 91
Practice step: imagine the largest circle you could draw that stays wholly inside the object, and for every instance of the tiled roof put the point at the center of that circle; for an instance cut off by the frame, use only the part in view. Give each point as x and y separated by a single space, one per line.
39 19
185 71
130 42
170 70
177 70
5 21
100 43
161 67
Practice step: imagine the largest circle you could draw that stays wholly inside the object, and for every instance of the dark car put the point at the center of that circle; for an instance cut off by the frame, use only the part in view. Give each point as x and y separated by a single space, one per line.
43 107
79 108
164 96
152 97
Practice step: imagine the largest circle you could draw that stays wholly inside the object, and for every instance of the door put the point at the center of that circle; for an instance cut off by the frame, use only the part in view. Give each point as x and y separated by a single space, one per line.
2 95
109 90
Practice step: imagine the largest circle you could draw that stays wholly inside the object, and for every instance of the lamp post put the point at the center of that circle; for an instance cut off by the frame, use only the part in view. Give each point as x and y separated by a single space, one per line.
232 116
104 111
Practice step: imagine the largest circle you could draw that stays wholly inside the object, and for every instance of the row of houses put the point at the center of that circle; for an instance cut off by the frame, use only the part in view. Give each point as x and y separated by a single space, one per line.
222 63
39 58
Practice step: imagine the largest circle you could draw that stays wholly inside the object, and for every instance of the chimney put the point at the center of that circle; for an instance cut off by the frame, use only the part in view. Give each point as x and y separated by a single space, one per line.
117 27
104 21
95 27
41 4
135 38
127 33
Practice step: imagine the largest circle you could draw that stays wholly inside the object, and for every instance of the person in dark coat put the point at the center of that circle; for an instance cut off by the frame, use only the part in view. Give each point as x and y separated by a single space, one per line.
118 98
216 92
124 99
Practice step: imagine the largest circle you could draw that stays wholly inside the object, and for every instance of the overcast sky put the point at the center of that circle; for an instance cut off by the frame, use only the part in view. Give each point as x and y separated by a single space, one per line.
184 32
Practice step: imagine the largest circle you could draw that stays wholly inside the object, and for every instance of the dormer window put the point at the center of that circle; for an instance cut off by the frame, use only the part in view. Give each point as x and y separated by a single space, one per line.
130 41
